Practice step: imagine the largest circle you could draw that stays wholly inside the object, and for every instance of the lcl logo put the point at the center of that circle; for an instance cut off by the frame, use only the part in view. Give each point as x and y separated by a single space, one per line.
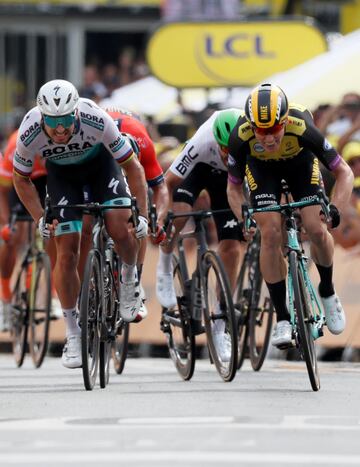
237 46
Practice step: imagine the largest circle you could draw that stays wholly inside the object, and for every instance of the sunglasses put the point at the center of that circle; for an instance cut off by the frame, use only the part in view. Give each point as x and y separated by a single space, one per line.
268 131
64 120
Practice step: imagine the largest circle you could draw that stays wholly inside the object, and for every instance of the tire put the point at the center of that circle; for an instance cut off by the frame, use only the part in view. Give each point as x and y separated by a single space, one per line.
217 293
120 347
20 315
260 322
109 317
303 321
176 324
90 312
40 305
242 298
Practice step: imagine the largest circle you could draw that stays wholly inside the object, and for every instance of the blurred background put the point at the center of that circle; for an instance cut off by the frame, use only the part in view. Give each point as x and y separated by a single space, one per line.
176 61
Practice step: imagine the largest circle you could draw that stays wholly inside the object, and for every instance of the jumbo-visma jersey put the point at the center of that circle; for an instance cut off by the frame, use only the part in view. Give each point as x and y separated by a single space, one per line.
93 127
300 134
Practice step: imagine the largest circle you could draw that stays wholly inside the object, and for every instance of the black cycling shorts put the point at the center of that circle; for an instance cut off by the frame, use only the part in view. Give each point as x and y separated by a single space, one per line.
101 174
16 204
214 181
301 174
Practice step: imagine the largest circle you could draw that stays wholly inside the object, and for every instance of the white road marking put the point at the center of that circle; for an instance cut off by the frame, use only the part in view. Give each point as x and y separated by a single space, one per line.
210 457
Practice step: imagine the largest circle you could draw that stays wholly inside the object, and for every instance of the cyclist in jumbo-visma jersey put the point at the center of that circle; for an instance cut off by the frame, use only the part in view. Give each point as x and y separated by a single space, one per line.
275 141
68 132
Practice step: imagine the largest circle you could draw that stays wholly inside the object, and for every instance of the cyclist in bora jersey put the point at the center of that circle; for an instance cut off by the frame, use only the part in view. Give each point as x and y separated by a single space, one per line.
275 141
67 132
202 164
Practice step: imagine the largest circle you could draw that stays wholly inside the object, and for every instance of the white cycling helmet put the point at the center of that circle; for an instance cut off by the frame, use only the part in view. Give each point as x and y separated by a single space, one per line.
57 97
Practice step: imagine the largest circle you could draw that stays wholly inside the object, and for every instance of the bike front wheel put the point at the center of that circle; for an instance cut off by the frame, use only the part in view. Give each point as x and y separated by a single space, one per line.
176 324
304 321
90 311
40 304
260 323
219 317
19 316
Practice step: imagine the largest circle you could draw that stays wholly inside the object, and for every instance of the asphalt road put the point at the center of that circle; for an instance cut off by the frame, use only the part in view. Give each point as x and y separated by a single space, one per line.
149 416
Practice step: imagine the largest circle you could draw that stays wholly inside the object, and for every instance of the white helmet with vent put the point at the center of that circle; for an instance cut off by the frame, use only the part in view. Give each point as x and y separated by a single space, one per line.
57 97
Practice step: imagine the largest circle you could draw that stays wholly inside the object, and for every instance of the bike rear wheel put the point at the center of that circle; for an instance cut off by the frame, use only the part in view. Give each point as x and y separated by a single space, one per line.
40 304
120 347
176 324
219 315
90 312
19 317
260 322
242 303
304 321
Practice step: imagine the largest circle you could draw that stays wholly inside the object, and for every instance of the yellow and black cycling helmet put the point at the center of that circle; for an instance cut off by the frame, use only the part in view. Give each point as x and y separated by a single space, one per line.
266 106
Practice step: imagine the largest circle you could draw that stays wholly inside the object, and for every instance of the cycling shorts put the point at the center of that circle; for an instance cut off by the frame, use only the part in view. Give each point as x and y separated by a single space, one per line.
101 175
214 181
302 175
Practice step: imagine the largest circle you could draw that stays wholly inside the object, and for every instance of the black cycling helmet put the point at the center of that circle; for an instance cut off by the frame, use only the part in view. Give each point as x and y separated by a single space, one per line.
266 106
223 125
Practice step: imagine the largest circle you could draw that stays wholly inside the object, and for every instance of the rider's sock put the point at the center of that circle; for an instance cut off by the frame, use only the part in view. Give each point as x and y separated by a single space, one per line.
71 324
277 292
128 273
326 286
165 262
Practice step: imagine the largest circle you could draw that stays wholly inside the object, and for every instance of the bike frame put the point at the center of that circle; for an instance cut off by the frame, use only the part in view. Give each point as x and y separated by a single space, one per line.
293 244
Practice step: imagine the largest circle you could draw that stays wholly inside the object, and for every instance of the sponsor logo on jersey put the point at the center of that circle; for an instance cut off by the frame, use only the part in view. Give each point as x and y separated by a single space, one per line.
92 120
186 160
117 144
250 179
327 145
30 134
258 148
22 161
67 151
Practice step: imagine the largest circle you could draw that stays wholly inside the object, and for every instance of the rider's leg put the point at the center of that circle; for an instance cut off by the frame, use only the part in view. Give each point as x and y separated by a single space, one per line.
165 291
231 253
322 251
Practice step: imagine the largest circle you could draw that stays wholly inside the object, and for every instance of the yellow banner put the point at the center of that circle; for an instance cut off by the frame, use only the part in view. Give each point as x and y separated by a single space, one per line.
229 54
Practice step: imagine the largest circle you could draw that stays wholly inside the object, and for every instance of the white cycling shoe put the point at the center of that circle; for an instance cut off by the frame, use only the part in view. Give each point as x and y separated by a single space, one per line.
71 356
282 334
222 340
165 291
130 301
334 314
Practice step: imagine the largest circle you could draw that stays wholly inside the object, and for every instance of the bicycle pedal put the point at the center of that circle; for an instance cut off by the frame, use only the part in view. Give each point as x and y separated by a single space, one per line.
285 346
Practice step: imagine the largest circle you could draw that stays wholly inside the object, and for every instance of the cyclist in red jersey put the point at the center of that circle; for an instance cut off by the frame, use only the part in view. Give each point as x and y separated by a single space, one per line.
130 125
13 241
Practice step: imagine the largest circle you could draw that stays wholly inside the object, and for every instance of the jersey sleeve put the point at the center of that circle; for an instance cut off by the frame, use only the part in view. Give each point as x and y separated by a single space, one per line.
153 171
114 142
318 144
237 158
24 153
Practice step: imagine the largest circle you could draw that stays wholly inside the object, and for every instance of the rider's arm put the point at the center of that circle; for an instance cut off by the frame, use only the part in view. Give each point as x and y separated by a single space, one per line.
137 183
344 180
172 181
28 195
235 197
161 201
